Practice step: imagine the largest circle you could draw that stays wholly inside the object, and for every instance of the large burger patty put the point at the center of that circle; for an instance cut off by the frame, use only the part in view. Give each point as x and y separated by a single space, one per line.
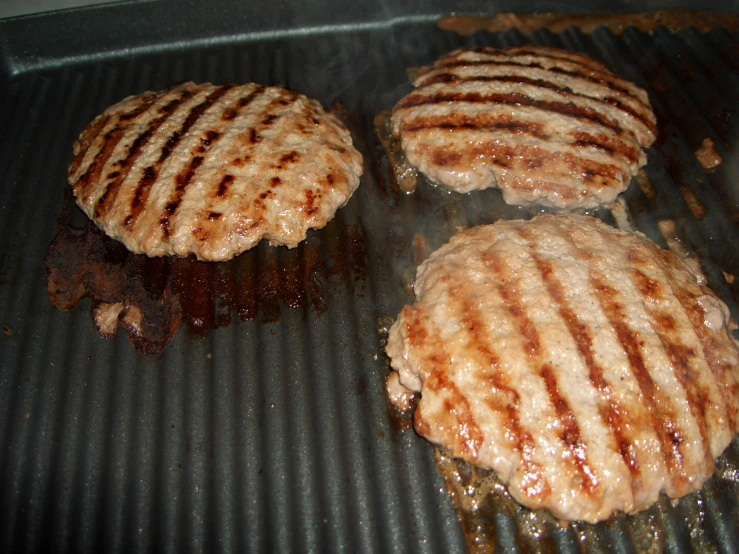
588 368
211 170
545 126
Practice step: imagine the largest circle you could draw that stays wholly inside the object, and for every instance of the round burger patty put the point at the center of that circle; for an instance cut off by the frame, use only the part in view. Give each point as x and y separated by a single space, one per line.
588 368
544 125
211 170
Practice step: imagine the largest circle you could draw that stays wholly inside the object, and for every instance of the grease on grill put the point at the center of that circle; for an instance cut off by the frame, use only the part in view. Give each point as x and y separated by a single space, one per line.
483 506
668 230
399 420
151 297
676 167
403 174
696 207
646 185
621 215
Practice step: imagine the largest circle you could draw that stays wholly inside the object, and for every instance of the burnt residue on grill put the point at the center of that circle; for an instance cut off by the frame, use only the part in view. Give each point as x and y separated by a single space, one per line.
83 262
707 155
675 20
356 254
689 115
163 293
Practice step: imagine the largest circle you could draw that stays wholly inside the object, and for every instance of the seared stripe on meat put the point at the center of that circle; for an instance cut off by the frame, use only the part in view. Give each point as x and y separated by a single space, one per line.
682 357
554 69
565 101
460 423
446 78
720 358
657 401
538 162
684 317
81 146
506 401
579 59
151 173
484 122
183 179
608 145
569 431
513 99
124 165
207 139
631 108
616 364
542 58
612 144
610 409
113 134
682 457
557 132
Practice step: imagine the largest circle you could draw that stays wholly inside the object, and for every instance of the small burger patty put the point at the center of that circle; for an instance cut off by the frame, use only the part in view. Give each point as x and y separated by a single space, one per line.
211 170
544 125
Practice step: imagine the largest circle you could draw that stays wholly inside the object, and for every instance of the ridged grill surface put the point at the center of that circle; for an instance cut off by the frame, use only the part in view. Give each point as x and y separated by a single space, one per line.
275 436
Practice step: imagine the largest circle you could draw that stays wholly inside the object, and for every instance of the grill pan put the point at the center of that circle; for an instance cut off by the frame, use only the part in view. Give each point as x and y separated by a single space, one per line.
272 434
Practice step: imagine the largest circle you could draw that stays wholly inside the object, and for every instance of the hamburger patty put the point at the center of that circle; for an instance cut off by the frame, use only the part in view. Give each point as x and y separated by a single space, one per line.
586 366
211 170
545 126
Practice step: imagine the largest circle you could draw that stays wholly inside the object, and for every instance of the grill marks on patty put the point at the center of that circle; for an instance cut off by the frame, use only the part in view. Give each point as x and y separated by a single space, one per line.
611 303
715 353
557 100
467 435
585 343
505 399
185 177
684 359
509 99
565 91
114 131
569 431
151 173
123 166
186 170
611 411
600 79
544 57
550 80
